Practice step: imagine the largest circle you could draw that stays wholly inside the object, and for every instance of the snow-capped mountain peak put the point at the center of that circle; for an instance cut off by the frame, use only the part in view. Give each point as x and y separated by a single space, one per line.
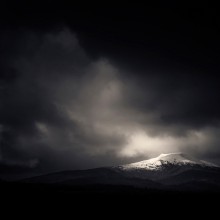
157 163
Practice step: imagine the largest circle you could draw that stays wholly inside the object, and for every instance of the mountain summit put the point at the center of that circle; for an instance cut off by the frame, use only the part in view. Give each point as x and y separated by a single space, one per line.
165 160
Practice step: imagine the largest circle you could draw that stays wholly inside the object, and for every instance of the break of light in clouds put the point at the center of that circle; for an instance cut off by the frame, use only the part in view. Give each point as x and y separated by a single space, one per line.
142 144
62 109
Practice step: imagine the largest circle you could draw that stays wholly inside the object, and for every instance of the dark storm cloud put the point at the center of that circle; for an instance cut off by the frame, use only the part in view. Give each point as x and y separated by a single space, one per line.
61 109
49 91
186 99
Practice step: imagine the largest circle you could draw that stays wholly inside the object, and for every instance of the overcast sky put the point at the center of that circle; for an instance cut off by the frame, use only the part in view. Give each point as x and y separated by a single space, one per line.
88 89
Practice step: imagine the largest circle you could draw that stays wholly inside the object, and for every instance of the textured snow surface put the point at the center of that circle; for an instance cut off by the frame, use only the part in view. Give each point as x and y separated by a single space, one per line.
163 159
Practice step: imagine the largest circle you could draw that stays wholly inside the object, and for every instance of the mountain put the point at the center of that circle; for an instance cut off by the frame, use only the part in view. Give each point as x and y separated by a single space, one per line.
174 171
177 159
164 166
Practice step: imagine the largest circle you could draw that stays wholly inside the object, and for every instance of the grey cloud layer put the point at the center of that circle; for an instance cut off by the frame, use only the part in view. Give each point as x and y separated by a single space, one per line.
62 110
